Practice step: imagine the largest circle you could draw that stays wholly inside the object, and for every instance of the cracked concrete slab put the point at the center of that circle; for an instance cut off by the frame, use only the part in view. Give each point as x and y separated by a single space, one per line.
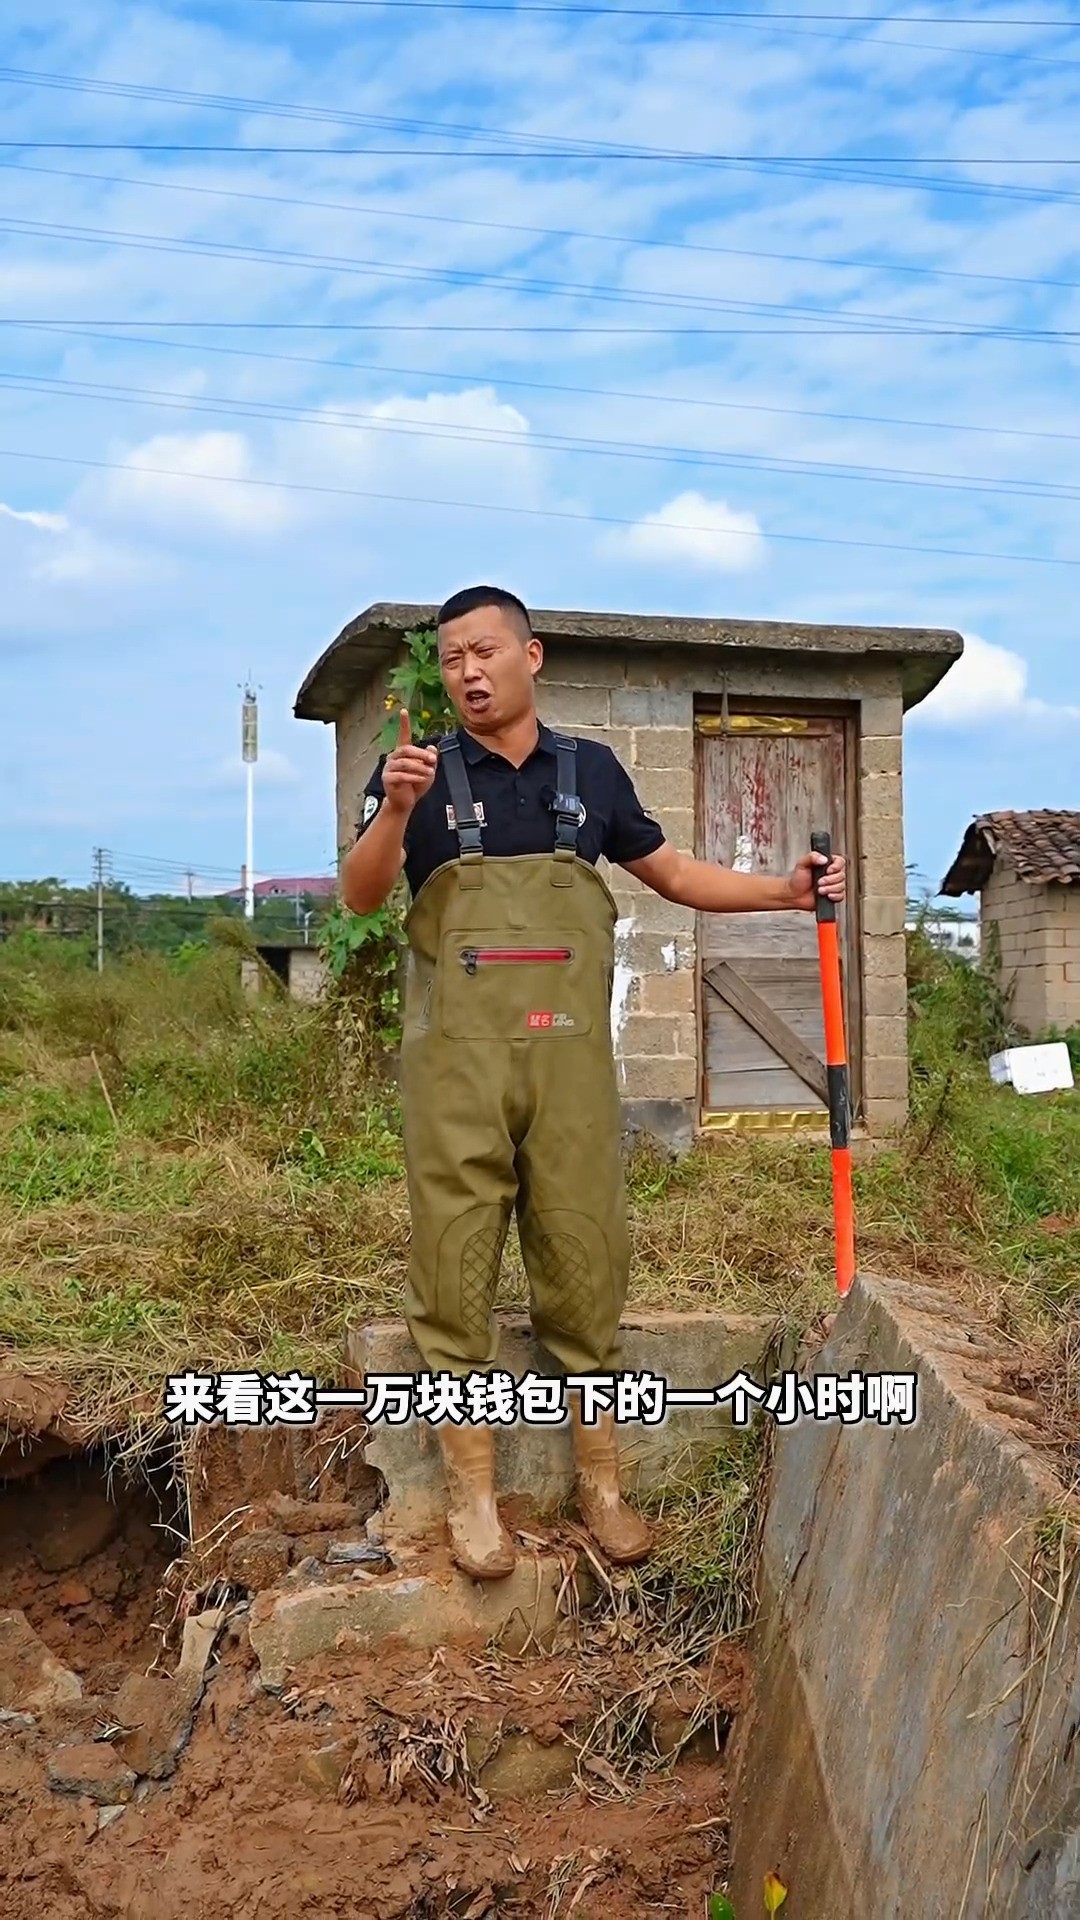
423 1609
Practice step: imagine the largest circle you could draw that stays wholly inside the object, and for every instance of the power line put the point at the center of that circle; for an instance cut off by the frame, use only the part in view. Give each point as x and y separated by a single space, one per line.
276 109
530 513
581 150
762 24
543 233
174 866
860 319
172 906
824 168
336 420
567 332
550 386
705 13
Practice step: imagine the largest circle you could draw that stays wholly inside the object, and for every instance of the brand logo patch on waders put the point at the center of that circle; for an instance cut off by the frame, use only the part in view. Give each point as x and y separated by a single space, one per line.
538 1021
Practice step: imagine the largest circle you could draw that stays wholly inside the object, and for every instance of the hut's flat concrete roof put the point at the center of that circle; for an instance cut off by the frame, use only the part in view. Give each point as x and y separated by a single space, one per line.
369 643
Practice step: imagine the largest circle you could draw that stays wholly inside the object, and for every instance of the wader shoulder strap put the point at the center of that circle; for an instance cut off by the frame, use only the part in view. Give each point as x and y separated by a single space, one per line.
466 824
567 809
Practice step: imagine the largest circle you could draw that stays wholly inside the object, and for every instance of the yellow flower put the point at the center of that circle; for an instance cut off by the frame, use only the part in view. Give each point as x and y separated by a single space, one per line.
775 1893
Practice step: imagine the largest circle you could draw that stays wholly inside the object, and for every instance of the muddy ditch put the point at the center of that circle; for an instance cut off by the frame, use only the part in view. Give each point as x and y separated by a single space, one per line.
205 1707
308 1713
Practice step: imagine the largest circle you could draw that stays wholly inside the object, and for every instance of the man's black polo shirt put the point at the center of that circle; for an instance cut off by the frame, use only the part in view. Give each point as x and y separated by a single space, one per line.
515 805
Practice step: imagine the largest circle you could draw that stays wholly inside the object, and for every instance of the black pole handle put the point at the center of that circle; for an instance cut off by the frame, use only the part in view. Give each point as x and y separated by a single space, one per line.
824 908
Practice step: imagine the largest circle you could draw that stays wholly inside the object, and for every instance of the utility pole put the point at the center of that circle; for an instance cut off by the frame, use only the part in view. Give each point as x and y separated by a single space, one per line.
190 883
99 876
250 737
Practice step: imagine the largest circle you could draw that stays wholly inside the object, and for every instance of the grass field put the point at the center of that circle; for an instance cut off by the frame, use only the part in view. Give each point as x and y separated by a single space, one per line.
192 1178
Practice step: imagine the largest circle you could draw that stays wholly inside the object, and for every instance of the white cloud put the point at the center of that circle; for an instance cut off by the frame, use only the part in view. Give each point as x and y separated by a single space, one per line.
40 548
155 482
477 410
699 532
446 444
987 684
44 522
82 559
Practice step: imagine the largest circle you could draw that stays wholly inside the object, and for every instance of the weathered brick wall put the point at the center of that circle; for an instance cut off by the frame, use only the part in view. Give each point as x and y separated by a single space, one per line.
307 974
883 903
600 696
643 707
1069 1015
1038 935
357 729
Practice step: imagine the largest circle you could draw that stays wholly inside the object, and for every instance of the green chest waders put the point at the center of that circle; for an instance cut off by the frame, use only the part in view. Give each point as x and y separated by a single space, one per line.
510 1095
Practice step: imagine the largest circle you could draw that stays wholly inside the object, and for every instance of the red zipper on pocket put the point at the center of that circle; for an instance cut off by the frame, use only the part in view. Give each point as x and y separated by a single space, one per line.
473 957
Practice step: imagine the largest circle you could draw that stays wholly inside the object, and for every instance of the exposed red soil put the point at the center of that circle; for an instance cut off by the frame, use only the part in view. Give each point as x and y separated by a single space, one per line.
83 1557
367 1790
241 1830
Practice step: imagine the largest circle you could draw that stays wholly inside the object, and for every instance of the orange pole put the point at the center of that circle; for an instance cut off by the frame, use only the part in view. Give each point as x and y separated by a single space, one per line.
836 1062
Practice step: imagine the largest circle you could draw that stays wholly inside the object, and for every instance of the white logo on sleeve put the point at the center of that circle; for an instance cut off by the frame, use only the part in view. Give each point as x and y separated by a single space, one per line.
371 808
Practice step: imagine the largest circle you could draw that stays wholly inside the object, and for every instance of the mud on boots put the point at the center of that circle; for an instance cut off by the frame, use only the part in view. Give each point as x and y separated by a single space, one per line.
508 1077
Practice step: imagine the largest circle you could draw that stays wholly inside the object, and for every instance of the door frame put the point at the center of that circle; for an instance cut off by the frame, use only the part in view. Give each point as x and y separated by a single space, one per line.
757 706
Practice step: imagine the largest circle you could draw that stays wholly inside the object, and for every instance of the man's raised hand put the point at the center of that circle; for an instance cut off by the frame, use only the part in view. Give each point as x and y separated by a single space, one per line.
409 772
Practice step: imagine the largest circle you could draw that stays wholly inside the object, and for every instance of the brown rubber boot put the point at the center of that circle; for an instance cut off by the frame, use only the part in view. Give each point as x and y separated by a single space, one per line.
479 1543
619 1532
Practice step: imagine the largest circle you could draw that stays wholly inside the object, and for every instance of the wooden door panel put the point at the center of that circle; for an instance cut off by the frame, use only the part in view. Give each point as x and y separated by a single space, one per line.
730 1042
761 797
771 1089
762 791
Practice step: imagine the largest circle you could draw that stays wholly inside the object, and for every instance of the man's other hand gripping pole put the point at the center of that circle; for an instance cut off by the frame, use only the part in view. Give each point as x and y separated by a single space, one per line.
837 1065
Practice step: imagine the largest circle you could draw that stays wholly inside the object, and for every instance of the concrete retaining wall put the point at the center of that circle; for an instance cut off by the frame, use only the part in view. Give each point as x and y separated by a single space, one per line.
912 1748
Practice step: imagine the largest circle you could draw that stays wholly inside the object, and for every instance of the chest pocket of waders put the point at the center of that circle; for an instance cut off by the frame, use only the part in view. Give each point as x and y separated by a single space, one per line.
495 988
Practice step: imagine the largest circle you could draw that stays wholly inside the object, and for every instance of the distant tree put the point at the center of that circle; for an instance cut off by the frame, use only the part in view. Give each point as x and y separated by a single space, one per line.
146 923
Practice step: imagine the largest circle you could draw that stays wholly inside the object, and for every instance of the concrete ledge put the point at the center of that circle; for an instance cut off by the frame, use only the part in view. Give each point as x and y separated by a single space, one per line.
420 1609
910 1745
535 1463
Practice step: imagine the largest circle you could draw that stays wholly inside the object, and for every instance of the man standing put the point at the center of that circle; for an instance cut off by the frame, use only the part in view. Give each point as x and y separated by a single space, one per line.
508 1078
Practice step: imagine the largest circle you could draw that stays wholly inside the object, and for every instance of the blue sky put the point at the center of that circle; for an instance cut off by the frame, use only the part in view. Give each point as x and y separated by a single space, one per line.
135 599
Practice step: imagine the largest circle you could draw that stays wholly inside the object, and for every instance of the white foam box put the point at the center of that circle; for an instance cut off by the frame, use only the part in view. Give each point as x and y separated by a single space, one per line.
1046 1069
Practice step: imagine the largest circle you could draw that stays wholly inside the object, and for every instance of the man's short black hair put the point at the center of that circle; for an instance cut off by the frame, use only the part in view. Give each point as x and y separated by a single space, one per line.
472 598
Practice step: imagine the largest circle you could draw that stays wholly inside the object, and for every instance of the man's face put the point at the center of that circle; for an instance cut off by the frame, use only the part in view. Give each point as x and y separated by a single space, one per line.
488 669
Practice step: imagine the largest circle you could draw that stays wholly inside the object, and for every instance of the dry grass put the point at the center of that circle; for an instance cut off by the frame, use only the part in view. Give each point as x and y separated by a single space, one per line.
676 1620
190 1179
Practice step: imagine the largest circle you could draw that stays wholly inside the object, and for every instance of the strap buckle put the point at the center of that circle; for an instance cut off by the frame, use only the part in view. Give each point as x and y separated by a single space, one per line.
466 823
567 806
